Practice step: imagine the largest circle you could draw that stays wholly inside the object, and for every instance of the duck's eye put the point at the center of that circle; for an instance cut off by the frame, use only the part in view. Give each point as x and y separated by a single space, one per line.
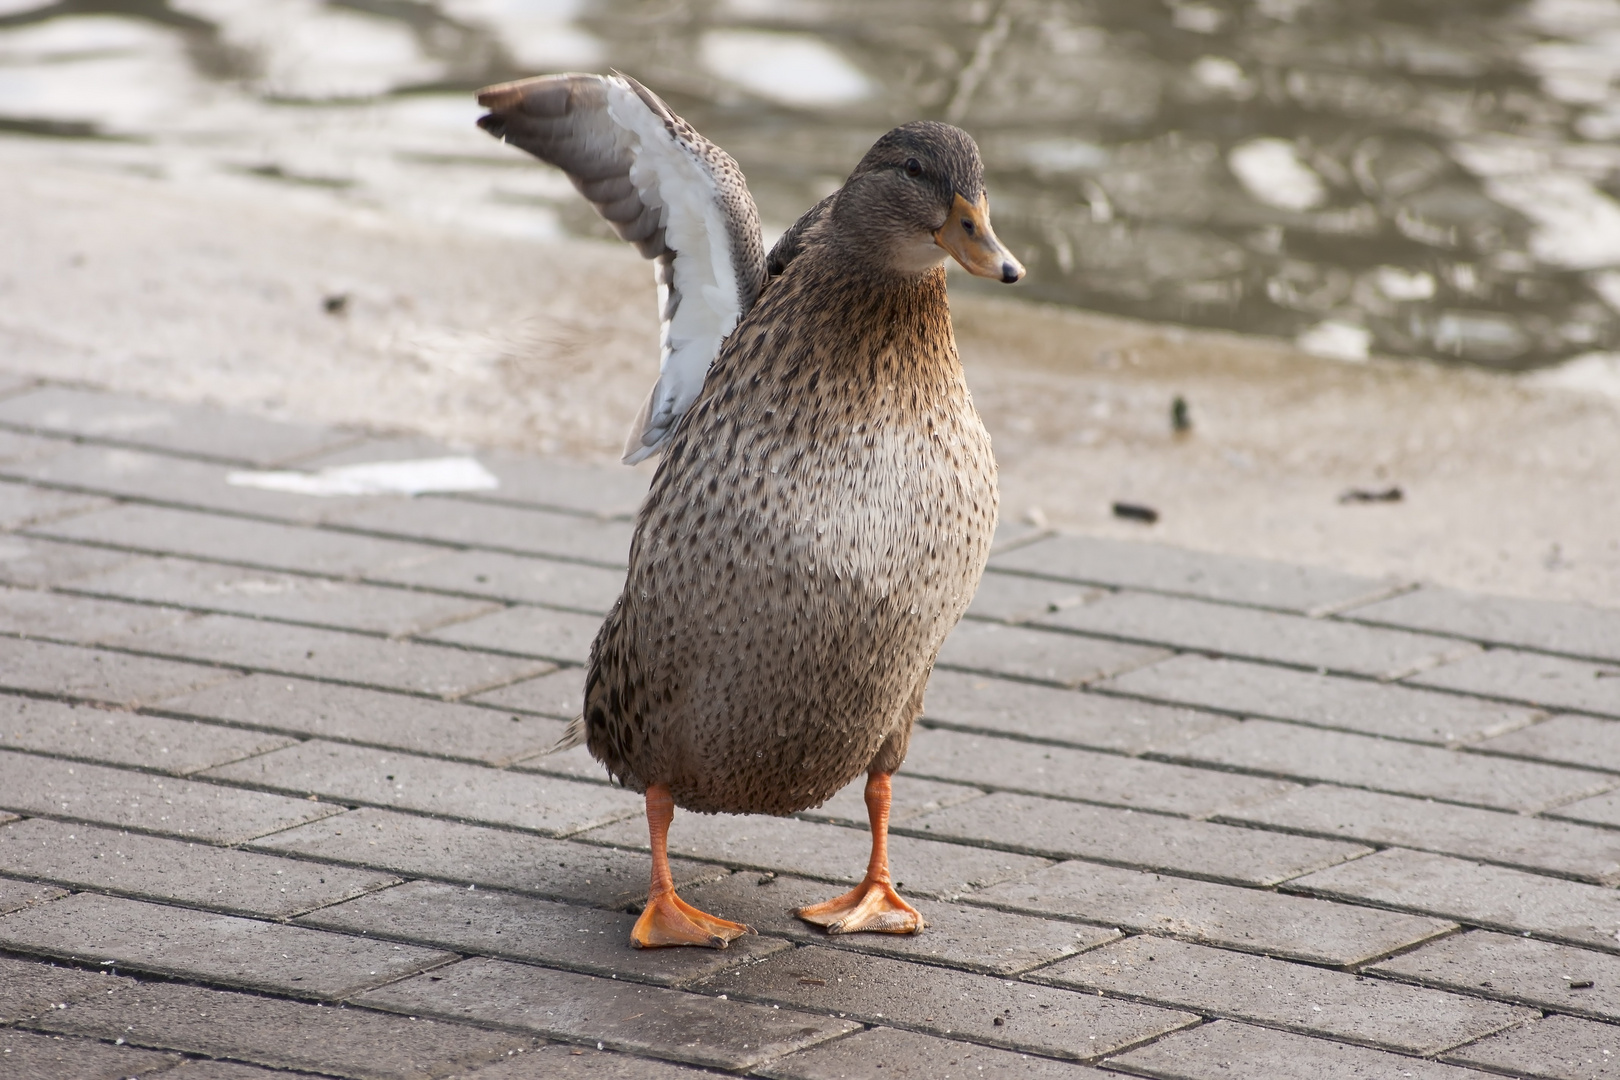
967 225
913 167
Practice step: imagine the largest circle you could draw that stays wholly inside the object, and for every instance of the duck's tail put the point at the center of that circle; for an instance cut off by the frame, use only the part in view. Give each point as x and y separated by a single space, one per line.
574 736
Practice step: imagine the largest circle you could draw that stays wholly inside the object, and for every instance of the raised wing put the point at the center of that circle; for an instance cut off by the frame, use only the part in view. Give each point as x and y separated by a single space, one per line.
679 198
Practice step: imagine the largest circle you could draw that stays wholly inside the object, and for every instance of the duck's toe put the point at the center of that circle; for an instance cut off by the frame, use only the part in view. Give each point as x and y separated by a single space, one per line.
872 906
667 920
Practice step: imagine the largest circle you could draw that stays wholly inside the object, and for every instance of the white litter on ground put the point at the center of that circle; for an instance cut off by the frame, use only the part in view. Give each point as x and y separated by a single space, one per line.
419 477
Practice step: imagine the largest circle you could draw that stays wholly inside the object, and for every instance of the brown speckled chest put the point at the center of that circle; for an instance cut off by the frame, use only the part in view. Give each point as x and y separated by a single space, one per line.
816 528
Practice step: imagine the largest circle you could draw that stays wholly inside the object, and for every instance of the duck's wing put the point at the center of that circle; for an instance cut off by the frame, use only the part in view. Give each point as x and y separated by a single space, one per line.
680 199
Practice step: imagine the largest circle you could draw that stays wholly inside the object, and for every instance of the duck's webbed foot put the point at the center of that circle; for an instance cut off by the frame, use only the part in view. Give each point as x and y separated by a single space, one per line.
873 904
669 920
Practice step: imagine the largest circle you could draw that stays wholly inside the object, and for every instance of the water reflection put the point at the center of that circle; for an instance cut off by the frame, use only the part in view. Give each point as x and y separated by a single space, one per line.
1431 178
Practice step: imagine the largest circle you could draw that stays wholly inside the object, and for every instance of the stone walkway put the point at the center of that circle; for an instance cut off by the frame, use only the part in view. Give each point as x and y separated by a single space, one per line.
274 802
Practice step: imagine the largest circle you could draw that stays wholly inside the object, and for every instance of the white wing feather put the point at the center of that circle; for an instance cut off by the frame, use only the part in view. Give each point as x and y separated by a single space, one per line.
667 174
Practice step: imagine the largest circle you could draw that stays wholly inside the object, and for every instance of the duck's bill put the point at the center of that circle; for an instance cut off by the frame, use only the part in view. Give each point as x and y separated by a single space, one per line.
967 235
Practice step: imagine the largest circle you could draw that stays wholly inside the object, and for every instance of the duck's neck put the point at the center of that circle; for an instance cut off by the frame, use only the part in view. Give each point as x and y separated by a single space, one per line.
865 324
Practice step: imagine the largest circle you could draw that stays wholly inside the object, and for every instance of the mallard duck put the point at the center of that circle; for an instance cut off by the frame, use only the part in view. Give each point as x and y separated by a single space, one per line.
826 497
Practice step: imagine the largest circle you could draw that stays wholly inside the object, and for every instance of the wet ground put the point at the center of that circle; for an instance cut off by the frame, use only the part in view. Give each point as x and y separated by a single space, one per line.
1408 178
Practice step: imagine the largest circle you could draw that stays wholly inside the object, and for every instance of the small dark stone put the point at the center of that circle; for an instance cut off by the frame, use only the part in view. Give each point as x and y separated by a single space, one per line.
1180 416
336 304
1581 984
1365 495
1136 512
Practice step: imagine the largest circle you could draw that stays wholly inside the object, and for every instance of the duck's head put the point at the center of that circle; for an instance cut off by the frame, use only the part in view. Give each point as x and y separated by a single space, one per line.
917 196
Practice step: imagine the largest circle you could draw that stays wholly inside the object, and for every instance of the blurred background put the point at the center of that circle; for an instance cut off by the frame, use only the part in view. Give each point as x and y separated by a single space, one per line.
1409 210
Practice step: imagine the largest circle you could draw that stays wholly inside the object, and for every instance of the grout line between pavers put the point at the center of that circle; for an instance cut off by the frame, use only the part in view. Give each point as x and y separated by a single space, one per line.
1466 922
1522 702
1607 881
129 650
121 496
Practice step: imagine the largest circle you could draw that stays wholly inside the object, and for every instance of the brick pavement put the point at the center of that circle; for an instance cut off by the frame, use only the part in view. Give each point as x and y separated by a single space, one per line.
272 802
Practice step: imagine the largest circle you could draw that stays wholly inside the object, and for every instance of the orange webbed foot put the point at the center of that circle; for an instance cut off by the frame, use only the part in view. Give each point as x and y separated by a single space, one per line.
667 920
871 906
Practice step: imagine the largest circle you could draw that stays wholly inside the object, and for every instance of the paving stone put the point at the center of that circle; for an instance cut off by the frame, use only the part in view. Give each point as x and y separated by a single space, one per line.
602 490
30 784
612 490
939 1001
1296 997
1260 690
198 1069
1014 598
200 586
24 1054
1226 1049
1571 740
31 987
1516 968
975 939
492 527
40 564
283 1034
980 703
560 694
99 675
1161 568
1063 659
238 541
78 620
1126 837
560 636
24 504
1489 896
575 763
912 797
124 738
1083 774
414 667
85 857
15 446
1560 1047
559 1061
1573 629
16 895
172 481
374 717
830 852
514 578
183 429
1549 681
473 854
620 1015
924 1057
1512 839
225 949
1277 638
1602 810
515 927
1251 920
405 781
1359 761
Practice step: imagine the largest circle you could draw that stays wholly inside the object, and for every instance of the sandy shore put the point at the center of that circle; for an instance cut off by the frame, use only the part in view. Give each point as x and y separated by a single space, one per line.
213 290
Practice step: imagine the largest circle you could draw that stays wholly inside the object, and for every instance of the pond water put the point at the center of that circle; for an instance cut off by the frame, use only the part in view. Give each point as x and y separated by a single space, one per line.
1412 177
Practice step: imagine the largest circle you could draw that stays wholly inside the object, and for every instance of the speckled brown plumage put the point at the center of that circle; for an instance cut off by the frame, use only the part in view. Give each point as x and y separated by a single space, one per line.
817 526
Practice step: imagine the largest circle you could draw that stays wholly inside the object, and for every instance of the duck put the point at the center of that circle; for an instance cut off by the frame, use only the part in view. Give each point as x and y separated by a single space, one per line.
825 495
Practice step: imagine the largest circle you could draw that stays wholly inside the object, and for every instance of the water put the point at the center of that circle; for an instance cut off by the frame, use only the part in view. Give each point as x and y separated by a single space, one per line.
1414 177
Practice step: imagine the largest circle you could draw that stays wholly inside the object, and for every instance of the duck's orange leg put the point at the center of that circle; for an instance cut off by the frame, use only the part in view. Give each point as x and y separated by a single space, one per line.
873 904
667 919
